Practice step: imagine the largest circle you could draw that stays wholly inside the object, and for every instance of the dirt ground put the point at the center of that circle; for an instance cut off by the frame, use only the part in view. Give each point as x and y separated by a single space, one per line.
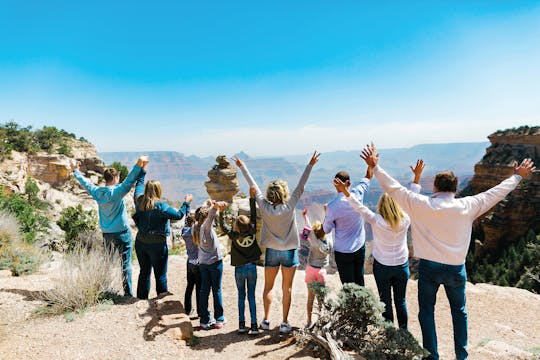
504 323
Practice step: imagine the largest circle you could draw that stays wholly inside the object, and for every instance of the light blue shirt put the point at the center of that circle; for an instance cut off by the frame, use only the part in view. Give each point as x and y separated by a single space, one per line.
348 224
113 217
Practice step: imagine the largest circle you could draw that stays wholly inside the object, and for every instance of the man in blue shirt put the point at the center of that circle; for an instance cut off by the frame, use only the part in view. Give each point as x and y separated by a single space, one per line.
113 217
349 236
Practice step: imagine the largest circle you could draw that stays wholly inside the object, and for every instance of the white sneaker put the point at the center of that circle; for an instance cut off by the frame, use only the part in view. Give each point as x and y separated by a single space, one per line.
285 328
265 325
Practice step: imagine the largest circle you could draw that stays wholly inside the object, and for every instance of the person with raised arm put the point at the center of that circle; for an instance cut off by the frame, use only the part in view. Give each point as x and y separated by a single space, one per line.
441 230
280 236
152 217
113 217
348 226
390 252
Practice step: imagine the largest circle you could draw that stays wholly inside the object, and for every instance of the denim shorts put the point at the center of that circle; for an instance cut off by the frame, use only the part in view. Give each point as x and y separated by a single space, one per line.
285 258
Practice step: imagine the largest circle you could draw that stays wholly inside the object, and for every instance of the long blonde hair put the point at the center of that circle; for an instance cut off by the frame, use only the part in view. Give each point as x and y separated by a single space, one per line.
390 211
200 215
152 194
277 192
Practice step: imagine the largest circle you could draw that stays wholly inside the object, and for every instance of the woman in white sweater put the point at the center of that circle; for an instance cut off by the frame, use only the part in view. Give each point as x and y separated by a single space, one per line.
390 251
280 236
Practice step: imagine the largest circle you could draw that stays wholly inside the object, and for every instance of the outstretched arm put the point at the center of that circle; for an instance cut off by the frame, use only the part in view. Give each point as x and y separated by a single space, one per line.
87 184
252 211
139 186
173 214
357 205
303 179
247 175
128 182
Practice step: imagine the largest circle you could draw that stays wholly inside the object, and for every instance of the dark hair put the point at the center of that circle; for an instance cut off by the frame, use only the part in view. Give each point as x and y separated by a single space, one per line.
343 176
110 174
445 181
190 219
242 223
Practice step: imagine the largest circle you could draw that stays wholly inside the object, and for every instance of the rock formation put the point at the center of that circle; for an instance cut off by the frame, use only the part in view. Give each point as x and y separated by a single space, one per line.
223 183
520 211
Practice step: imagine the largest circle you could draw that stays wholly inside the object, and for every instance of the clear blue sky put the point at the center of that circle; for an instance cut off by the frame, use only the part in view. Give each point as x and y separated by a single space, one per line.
208 77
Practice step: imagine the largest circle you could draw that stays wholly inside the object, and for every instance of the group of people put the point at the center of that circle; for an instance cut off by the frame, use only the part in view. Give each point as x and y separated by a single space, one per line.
440 225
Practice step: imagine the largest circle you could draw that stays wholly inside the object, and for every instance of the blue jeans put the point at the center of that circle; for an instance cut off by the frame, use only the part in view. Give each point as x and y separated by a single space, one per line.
193 281
431 274
211 279
246 274
121 242
351 266
151 256
394 278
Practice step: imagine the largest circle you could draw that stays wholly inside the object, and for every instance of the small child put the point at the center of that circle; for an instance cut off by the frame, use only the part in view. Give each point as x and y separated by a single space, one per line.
210 263
193 272
318 259
245 253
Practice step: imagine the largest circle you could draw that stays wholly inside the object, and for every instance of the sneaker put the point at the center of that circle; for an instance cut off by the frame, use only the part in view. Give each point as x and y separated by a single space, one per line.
265 325
211 324
285 328
242 329
254 329
219 324
309 326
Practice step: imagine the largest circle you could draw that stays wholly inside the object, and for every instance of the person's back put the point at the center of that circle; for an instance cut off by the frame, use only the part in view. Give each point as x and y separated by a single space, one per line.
113 217
349 234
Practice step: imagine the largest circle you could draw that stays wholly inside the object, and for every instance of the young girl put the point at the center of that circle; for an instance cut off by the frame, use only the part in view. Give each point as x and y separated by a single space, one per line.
245 253
318 259
193 273
391 265
210 263
152 217
279 233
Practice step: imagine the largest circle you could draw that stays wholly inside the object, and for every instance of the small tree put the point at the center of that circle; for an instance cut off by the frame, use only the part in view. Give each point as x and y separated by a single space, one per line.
74 220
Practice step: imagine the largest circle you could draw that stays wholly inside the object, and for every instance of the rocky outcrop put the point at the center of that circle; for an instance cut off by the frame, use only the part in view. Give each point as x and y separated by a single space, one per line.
223 183
520 211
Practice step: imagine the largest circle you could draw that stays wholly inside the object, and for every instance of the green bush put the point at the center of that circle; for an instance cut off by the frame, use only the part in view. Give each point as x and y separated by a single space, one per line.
26 208
354 321
18 257
74 220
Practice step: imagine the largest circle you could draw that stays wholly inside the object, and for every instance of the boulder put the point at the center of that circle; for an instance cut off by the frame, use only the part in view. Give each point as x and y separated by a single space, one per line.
223 183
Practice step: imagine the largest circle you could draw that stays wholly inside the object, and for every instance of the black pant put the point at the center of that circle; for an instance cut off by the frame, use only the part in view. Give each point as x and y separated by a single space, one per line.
351 266
193 280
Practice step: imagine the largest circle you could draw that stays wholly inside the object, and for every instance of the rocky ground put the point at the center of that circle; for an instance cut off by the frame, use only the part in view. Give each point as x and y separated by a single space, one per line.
504 324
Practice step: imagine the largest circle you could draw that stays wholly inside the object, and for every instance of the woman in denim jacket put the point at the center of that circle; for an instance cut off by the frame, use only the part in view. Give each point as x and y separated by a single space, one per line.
152 217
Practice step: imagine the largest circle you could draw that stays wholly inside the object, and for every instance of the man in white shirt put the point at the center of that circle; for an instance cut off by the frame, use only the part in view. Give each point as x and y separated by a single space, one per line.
441 230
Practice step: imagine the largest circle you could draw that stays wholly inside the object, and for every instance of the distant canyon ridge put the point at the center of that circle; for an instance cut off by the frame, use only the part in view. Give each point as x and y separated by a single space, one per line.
180 174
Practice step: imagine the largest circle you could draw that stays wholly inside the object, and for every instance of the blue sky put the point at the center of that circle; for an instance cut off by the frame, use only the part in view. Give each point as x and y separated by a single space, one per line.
211 77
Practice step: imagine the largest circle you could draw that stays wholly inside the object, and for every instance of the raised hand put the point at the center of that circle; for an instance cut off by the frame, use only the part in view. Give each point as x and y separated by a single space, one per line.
525 168
304 212
417 170
188 198
252 191
370 155
314 158
342 187
237 161
74 164
221 205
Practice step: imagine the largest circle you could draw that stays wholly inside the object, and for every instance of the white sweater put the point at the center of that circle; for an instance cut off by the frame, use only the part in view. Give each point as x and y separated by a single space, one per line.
441 224
389 246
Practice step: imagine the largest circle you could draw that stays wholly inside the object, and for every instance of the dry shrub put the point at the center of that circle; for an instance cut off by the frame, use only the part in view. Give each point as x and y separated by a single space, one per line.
89 274
16 255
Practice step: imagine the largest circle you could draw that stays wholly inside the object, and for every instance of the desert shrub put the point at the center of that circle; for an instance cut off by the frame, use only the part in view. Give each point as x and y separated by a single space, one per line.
354 322
20 258
89 274
74 220
65 149
32 221
122 170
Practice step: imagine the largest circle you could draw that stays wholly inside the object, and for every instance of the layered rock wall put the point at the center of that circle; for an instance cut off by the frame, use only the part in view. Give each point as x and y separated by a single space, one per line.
510 219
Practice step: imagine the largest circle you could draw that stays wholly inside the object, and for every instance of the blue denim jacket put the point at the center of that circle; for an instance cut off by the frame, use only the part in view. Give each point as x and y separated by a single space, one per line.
156 221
